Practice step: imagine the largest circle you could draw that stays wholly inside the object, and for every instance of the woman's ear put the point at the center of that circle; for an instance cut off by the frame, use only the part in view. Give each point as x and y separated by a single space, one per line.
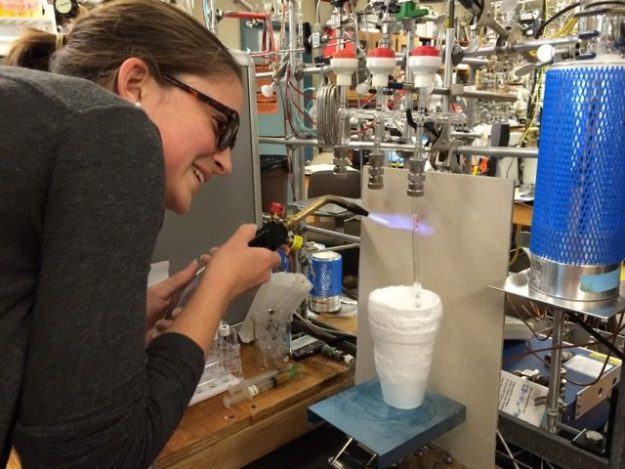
133 78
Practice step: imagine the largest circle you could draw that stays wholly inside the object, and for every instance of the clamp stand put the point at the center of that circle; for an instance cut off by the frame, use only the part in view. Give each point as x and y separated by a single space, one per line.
387 433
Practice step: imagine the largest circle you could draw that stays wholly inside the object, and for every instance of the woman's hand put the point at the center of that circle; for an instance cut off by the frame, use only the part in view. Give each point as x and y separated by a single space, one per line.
162 297
237 267
232 269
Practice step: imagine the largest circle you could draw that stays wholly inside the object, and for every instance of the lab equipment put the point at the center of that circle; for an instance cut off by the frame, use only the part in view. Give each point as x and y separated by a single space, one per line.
278 230
326 275
304 345
223 367
272 335
578 230
255 385
337 354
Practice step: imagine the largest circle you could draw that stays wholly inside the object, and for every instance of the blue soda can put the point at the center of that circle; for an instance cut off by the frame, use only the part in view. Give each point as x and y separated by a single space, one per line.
326 276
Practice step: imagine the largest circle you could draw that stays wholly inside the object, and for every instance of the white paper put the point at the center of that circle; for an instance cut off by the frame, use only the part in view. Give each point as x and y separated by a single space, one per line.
517 397
586 365
159 271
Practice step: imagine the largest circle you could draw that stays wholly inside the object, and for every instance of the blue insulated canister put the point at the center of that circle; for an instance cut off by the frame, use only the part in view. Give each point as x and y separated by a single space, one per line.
578 227
326 275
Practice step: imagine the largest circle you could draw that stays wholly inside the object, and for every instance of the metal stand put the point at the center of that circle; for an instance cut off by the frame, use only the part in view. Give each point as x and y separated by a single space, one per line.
553 398
552 443
336 463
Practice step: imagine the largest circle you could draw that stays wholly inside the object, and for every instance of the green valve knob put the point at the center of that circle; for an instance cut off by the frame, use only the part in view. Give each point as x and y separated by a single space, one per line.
409 10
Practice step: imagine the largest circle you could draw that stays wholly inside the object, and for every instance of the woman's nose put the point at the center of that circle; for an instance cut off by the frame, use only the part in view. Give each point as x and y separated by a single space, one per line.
223 162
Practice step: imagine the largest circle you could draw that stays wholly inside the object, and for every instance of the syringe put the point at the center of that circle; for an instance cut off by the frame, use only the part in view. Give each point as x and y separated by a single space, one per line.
253 386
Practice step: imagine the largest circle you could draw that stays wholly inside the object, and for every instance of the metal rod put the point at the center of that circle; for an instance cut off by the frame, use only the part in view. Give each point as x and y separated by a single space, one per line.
333 234
475 62
305 71
243 4
297 154
478 94
352 144
339 248
450 40
408 131
522 47
334 461
554 447
496 152
507 448
553 396
488 95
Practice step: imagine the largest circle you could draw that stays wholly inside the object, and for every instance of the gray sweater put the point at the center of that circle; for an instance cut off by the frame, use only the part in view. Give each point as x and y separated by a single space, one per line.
81 203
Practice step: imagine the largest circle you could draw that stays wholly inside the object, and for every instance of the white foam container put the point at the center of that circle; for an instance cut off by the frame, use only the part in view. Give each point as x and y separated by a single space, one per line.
404 336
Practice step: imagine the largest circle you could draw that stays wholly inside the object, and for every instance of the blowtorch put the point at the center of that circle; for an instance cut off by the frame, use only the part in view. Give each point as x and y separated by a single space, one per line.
279 230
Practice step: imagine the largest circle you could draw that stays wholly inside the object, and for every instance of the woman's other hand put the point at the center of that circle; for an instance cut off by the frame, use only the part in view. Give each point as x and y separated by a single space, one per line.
162 297
232 269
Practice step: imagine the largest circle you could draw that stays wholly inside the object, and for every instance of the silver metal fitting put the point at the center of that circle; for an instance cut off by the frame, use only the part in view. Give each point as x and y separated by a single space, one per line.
376 180
416 177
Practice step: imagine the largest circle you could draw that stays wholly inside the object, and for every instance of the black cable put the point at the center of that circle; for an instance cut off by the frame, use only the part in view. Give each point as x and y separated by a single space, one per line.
343 345
567 8
532 102
327 333
555 16
604 2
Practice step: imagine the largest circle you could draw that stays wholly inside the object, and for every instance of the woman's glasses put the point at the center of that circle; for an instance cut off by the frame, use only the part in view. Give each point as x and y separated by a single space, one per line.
228 129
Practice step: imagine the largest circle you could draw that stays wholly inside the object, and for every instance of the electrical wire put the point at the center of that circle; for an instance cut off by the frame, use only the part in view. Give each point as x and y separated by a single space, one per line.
299 129
619 328
538 336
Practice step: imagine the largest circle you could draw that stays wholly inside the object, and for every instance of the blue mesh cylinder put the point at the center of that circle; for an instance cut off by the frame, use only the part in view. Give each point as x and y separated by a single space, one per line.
579 206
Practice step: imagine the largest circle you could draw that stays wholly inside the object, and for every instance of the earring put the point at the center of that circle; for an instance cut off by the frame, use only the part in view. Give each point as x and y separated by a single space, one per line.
138 104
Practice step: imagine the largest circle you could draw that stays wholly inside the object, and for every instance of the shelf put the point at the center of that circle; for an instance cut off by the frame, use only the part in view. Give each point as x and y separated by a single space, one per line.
518 285
11 27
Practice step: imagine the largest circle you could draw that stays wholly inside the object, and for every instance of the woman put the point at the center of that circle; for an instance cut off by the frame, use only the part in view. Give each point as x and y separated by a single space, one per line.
86 170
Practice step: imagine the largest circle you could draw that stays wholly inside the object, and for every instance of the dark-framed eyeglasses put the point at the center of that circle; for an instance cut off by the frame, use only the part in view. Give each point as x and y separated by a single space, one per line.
227 129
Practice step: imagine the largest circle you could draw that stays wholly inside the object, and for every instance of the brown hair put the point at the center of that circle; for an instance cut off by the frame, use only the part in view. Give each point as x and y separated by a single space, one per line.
166 38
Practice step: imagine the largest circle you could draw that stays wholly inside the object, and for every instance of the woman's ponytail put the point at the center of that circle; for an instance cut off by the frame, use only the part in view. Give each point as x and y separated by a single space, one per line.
33 50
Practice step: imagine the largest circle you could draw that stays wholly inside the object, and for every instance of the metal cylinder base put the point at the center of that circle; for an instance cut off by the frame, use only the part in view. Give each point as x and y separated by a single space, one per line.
574 282
324 304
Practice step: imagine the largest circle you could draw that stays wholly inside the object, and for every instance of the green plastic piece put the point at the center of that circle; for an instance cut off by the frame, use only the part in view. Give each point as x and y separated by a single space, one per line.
409 10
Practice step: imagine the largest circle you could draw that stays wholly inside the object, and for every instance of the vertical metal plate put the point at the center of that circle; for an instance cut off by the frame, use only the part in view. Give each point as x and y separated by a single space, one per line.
464 249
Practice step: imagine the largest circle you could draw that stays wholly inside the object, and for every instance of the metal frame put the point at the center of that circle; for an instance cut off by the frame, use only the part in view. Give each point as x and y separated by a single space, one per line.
562 451
550 444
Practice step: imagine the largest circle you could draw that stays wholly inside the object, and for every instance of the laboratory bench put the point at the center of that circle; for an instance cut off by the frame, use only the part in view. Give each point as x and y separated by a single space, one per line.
209 435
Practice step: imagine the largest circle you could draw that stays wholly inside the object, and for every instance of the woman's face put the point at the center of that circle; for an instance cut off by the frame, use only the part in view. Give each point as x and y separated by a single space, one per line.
189 133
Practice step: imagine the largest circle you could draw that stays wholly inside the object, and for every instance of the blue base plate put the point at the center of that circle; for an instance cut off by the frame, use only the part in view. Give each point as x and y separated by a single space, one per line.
361 413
